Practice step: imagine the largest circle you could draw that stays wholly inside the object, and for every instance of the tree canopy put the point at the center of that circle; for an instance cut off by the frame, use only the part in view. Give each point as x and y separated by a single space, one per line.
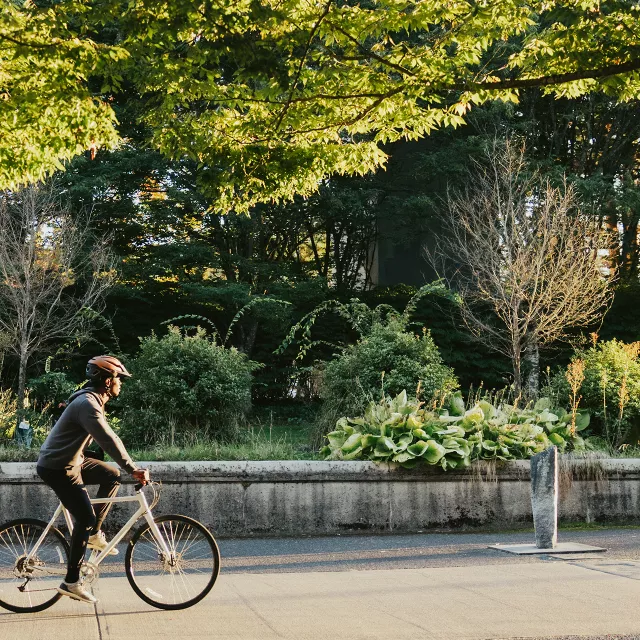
270 98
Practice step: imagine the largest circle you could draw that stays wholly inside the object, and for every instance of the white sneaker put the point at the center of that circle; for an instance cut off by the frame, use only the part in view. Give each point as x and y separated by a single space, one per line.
76 591
99 542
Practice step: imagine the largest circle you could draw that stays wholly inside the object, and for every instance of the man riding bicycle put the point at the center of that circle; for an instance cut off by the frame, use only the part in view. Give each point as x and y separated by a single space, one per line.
63 466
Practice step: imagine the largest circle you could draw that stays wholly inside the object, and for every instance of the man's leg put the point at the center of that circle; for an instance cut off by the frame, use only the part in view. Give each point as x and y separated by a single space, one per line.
68 486
108 477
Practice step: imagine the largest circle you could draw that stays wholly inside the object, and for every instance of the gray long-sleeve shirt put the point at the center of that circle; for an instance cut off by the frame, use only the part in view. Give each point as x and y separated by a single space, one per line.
82 422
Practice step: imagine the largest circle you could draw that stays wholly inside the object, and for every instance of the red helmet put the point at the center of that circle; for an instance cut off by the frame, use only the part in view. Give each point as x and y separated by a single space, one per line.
106 364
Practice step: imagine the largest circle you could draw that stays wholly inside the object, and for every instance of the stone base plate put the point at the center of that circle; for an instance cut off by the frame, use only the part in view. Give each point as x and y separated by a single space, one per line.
561 547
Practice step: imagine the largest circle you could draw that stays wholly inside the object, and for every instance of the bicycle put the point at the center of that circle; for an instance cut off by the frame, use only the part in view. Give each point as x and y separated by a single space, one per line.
171 562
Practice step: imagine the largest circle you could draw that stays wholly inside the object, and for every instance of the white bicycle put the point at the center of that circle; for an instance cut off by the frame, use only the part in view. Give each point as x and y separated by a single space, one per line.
171 562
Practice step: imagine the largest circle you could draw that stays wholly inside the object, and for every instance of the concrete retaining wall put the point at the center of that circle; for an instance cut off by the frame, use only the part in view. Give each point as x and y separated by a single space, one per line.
314 498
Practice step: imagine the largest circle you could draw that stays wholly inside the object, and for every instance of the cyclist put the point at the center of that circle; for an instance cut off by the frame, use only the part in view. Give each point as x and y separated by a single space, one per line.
63 466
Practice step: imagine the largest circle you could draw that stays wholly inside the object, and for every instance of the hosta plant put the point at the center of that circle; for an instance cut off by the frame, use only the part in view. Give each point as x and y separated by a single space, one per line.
402 430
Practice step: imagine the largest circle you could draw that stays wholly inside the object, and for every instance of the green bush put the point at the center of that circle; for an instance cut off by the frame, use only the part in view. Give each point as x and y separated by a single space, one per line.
50 389
40 421
385 361
8 409
400 430
184 387
610 390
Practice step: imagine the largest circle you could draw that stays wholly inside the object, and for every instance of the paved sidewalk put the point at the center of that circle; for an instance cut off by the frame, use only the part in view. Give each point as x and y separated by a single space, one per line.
470 603
434 586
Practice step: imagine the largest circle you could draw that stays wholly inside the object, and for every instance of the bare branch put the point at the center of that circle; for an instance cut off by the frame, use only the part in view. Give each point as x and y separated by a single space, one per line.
524 257
52 269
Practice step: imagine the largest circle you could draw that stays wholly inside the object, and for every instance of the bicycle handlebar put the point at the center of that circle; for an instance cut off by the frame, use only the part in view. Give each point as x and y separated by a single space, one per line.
155 487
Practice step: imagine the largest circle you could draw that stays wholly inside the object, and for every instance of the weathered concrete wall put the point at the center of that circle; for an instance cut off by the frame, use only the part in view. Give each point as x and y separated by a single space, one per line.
313 498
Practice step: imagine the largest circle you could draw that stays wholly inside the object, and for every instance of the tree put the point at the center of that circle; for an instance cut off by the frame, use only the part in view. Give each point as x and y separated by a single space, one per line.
524 258
272 97
48 111
52 270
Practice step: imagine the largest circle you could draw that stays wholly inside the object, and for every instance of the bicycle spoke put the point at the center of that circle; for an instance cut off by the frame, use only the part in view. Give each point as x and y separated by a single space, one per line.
183 577
30 586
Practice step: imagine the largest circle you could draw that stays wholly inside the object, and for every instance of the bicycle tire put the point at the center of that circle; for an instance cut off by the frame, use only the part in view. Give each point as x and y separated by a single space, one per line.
143 536
62 546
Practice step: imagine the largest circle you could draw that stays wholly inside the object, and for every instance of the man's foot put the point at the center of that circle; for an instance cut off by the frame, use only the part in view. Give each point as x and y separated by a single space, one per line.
76 591
99 542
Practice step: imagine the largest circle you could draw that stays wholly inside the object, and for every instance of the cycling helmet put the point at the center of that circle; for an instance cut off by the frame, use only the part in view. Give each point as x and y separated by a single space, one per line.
102 367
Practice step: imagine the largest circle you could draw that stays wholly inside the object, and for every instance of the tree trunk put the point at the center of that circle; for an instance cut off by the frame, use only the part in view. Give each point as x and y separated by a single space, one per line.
517 374
22 382
532 368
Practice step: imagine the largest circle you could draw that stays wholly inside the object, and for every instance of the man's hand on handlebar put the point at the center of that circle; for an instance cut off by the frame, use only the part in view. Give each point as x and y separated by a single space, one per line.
142 476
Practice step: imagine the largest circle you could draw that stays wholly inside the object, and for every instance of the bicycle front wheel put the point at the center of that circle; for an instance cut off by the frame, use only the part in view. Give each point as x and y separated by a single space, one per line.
181 578
30 585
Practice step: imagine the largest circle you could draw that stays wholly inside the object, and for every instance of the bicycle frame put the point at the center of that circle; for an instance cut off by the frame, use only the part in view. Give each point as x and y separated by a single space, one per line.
97 557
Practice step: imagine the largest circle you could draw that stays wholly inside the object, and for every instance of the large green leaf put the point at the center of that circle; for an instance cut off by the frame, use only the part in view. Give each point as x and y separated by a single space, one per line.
336 439
385 445
488 409
369 440
556 439
403 456
456 404
542 404
356 453
583 418
434 452
404 441
418 448
352 442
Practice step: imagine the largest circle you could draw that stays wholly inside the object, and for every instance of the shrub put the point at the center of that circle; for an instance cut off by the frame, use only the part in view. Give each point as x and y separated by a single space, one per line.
8 409
184 387
50 389
401 430
387 360
610 390
40 421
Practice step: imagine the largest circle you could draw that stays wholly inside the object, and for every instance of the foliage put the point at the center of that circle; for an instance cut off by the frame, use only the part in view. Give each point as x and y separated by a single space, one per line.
50 388
610 389
269 78
39 420
8 410
361 318
217 336
401 430
389 356
47 112
184 386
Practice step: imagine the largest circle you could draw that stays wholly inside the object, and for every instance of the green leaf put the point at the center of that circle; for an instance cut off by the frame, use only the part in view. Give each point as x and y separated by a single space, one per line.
403 456
556 439
434 452
352 442
356 453
336 439
456 404
542 404
418 448
369 440
583 419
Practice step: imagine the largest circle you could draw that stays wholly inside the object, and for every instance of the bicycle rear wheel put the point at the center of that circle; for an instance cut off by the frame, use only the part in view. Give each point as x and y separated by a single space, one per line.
30 586
181 579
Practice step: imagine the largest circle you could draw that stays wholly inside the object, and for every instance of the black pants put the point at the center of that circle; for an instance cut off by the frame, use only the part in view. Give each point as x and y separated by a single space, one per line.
69 486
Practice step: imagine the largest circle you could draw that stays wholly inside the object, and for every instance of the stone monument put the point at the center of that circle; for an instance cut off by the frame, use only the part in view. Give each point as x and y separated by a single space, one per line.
544 504
544 497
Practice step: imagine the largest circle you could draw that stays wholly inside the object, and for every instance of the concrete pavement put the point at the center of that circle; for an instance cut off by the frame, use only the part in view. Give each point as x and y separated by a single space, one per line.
498 597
